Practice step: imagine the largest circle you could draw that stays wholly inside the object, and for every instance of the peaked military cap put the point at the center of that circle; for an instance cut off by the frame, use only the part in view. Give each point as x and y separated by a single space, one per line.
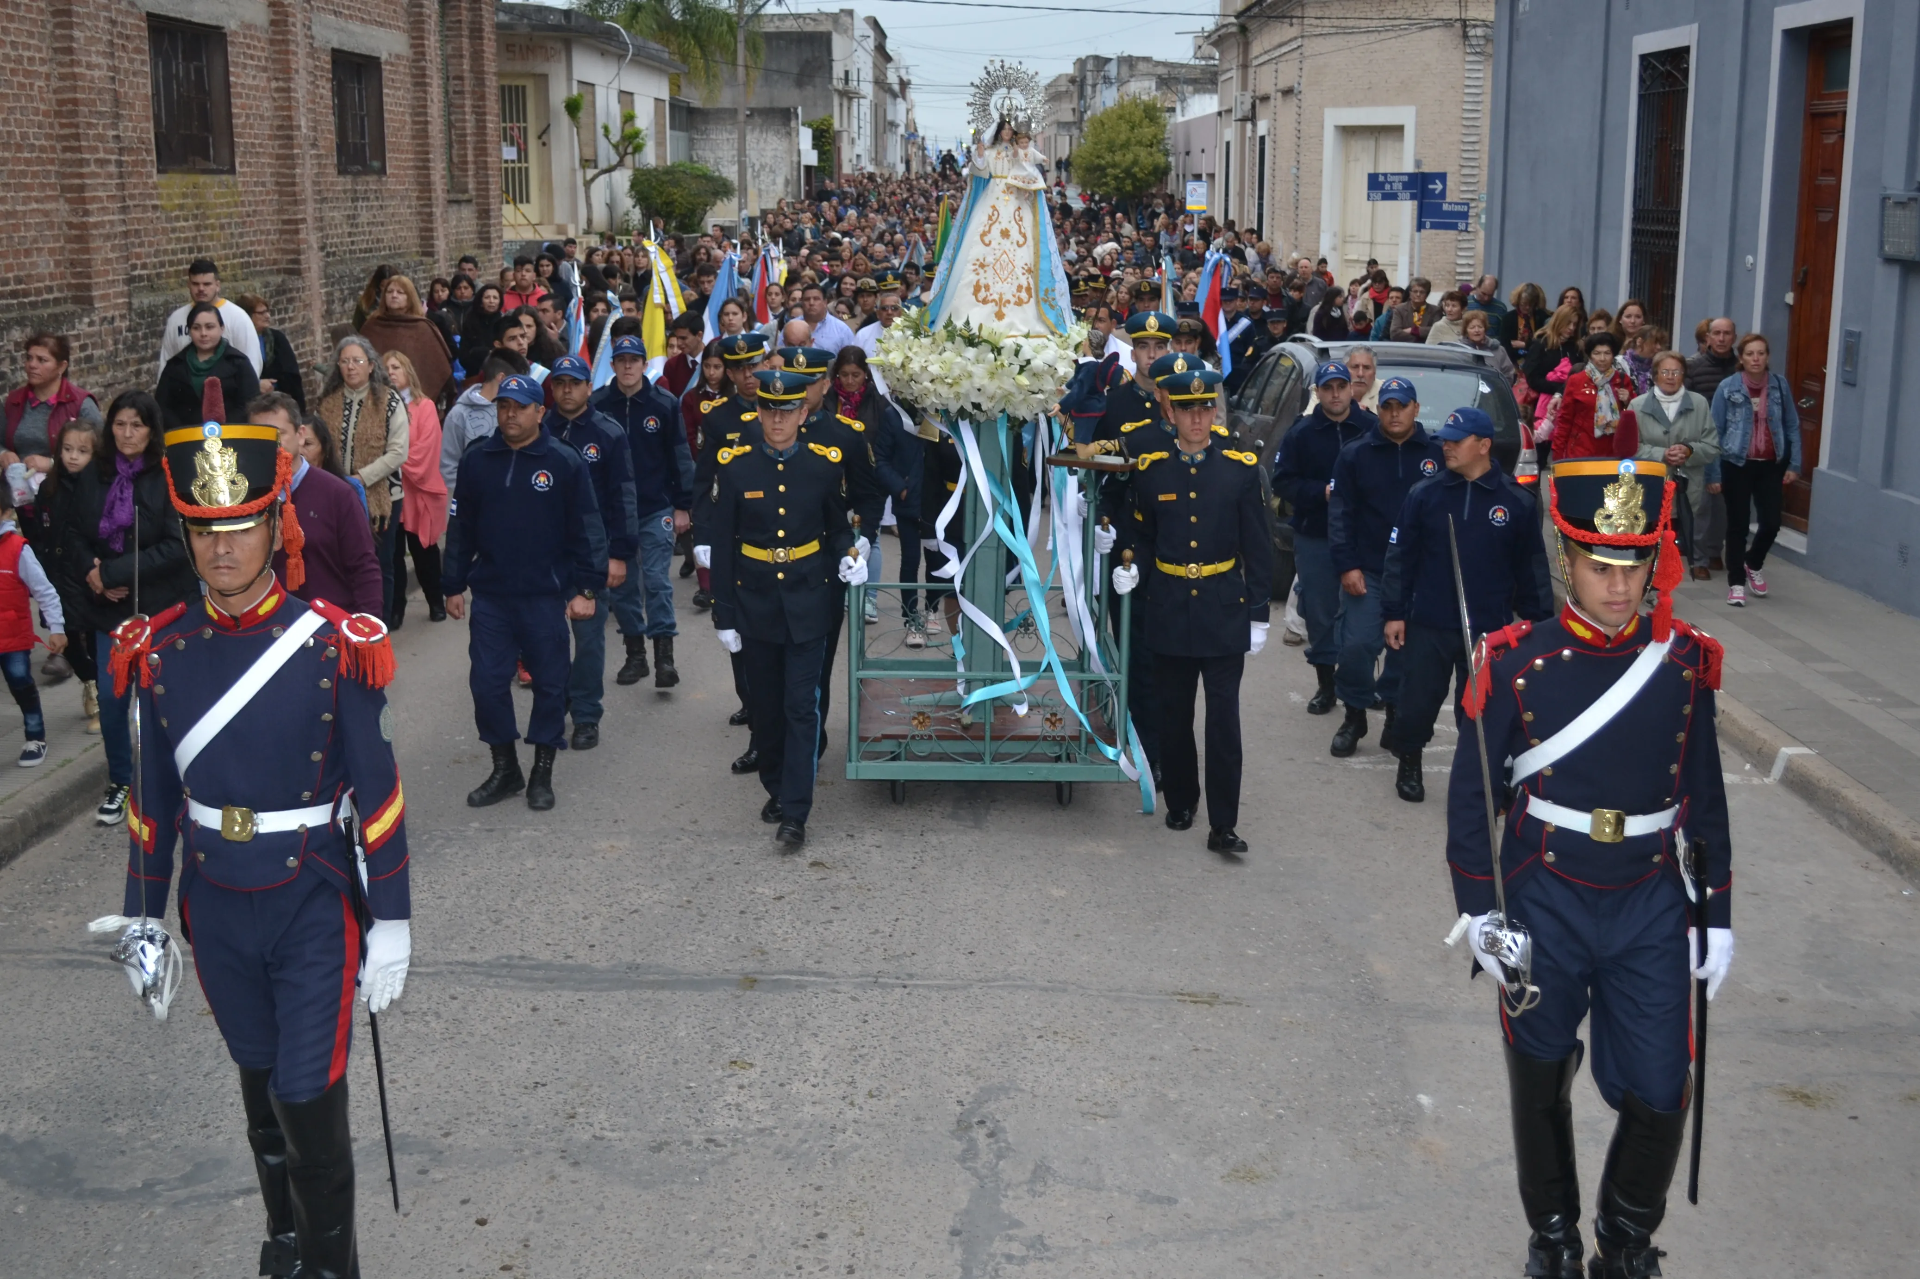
1185 378
809 360
736 348
783 387
1156 324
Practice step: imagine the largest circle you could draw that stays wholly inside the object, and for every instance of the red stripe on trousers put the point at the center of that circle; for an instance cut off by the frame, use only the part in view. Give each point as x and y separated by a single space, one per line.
344 1028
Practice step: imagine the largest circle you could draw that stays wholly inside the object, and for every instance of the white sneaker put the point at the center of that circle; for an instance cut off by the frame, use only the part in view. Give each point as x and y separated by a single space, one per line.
916 632
1756 583
33 754
1737 596
872 615
933 624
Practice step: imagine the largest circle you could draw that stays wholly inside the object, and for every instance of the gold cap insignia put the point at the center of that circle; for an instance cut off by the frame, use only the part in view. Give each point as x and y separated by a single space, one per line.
1180 364
1623 506
1198 386
1153 324
217 480
799 359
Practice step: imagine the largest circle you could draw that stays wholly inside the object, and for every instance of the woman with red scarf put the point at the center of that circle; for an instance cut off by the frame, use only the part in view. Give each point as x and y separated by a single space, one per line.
1594 420
856 399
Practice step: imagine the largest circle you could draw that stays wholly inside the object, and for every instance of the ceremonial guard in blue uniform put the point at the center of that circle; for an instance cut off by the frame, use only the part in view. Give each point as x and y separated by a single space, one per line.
731 424
1206 543
1599 729
525 534
266 759
1503 561
778 522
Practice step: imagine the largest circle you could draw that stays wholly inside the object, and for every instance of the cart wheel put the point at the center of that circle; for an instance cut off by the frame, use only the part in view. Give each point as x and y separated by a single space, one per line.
1063 793
898 789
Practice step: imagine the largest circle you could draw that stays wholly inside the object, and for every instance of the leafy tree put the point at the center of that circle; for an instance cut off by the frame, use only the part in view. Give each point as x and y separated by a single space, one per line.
823 141
699 33
679 194
629 143
1123 150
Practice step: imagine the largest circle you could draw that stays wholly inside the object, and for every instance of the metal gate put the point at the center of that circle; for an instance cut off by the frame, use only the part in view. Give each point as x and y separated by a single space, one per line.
516 165
1659 177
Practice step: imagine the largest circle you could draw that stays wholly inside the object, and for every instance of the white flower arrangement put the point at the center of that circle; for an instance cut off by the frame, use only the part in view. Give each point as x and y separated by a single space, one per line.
961 371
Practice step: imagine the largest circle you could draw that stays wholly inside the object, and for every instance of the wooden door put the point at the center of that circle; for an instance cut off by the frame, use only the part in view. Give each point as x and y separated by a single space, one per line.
1816 231
1367 229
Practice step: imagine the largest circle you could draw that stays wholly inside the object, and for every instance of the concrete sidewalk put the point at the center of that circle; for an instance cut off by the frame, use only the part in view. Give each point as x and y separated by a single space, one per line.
34 801
1822 693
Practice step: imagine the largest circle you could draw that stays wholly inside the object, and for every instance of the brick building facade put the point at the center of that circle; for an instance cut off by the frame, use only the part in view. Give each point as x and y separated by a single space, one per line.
296 143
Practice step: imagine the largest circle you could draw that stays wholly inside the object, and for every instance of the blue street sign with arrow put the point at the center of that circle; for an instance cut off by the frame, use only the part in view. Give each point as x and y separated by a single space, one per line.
1393 187
1433 188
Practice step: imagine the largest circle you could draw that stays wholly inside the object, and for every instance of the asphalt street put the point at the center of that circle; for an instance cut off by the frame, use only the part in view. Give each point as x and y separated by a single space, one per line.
976 1034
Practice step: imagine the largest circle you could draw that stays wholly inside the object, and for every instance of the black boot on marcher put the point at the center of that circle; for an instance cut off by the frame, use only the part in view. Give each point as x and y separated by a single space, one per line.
504 780
634 669
1540 1094
1633 1190
281 1248
1407 783
320 1174
1386 729
1346 738
665 673
540 780
1322 700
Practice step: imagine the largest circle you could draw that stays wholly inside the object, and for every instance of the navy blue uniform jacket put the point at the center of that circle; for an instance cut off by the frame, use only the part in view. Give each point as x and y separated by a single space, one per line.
316 730
767 502
1370 482
656 444
1659 751
524 522
603 447
1304 463
1503 558
1205 512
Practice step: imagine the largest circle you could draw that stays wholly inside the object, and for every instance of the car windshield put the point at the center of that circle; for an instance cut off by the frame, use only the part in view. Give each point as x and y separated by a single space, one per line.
1441 391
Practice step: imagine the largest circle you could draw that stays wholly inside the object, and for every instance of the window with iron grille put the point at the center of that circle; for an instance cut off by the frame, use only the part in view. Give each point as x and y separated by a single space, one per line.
192 112
1659 177
359 115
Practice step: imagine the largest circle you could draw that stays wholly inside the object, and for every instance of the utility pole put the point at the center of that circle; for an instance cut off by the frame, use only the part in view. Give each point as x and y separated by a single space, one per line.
740 116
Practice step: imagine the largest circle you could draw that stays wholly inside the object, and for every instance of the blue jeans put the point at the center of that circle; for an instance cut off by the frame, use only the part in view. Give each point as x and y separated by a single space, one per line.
1360 635
18 669
643 604
114 735
587 682
1319 596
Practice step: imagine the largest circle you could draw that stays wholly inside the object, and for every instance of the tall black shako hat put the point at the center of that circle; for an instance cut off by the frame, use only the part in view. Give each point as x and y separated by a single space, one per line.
1620 511
224 477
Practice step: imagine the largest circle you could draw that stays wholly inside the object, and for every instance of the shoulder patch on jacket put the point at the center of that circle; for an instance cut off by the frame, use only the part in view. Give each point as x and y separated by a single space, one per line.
1251 459
133 644
853 422
366 649
727 455
1491 646
1219 429
750 416
1134 426
1712 652
1147 459
827 451
708 406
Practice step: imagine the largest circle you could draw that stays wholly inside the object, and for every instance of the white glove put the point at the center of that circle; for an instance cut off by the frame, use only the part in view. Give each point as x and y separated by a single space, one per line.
1259 638
852 571
1081 506
729 640
1719 958
1125 578
1487 961
703 556
383 973
860 547
1103 540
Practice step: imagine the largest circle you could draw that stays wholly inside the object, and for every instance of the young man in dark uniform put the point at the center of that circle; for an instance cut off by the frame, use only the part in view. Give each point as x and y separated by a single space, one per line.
267 758
732 424
1206 540
778 523
1607 716
1503 560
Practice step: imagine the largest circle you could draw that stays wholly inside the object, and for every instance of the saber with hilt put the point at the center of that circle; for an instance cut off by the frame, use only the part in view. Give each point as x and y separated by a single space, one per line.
1697 871
363 914
1507 943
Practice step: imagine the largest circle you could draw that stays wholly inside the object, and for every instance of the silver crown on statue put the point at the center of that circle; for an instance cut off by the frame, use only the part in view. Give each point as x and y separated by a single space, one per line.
1006 91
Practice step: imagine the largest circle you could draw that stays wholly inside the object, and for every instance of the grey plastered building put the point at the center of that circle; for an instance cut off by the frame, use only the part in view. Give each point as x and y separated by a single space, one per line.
1745 158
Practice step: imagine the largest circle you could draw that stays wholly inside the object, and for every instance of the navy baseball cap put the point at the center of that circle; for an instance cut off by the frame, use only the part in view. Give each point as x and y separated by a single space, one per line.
1399 391
1331 371
521 389
629 345
1462 423
571 366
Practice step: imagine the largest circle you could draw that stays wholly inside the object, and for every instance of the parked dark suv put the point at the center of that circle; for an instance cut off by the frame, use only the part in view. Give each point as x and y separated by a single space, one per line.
1446 375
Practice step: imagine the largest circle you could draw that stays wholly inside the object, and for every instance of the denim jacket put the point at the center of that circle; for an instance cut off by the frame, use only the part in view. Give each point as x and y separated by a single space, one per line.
1732 411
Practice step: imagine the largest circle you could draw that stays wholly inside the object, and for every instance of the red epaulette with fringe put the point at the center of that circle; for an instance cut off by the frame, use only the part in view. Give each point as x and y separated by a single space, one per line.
1712 652
366 650
1491 646
133 642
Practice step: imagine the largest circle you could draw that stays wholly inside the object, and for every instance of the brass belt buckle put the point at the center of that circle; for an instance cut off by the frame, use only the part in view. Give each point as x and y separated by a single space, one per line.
1609 826
236 824
1193 570
780 554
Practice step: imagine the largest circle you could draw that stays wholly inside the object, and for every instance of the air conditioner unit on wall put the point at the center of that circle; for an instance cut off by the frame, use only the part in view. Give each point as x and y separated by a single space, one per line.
1243 106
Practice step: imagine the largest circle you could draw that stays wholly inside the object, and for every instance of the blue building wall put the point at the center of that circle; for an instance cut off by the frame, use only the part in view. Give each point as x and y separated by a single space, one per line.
1562 147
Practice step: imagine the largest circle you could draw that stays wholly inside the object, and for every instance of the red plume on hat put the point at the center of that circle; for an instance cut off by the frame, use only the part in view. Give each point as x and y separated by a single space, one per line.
213 401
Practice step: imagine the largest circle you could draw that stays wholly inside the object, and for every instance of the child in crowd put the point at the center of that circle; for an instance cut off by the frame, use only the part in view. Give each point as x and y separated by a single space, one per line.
23 584
72 457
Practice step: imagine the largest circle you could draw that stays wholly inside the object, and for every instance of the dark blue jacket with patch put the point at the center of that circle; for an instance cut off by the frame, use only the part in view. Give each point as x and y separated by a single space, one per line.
603 447
1503 558
1370 482
1304 463
524 522
656 443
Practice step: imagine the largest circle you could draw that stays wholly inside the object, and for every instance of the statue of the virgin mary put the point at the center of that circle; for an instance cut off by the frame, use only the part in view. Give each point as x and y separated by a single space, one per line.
1002 268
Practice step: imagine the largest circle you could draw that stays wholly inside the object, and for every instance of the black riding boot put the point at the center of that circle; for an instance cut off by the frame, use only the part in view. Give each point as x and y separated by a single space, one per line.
1407 783
634 669
540 780
1386 728
504 780
1633 1190
282 1247
1541 1095
1346 738
1323 699
320 1174
665 673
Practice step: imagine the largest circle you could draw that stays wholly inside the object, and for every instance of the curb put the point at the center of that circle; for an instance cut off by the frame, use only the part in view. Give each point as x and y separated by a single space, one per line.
1878 826
51 800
